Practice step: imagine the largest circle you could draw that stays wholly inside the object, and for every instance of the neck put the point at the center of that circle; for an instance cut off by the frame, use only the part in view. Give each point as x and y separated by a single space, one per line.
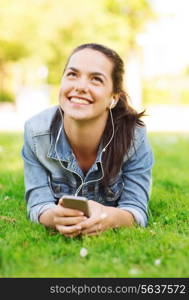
84 137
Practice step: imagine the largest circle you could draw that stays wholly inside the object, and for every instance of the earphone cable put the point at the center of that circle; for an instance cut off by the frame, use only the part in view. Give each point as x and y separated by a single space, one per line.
103 150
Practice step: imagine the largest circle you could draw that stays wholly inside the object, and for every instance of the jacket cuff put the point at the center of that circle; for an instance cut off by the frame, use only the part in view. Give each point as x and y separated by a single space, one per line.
37 210
139 218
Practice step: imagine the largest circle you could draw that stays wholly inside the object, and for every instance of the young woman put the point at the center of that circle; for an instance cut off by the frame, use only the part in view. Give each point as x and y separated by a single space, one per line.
93 144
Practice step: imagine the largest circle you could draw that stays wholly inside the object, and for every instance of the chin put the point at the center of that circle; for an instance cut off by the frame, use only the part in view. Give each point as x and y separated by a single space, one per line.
84 115
78 116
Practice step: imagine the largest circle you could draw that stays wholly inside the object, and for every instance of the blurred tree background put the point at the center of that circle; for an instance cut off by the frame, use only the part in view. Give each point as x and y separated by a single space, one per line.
37 36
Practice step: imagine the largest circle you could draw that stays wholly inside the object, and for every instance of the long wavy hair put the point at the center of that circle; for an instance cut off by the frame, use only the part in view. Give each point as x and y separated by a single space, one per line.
125 117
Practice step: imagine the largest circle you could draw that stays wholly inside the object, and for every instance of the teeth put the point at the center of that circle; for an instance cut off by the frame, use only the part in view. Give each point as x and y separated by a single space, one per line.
78 100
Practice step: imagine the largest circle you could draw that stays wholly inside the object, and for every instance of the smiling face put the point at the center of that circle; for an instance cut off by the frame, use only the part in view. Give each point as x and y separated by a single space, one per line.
86 86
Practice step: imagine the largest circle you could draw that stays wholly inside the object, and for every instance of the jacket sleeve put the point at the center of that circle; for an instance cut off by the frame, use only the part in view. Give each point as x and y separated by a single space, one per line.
37 191
137 179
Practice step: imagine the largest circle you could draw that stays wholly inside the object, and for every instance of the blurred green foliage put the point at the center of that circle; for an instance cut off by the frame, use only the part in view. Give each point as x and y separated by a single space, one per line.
153 95
186 71
6 97
164 96
110 22
46 31
172 91
11 51
185 96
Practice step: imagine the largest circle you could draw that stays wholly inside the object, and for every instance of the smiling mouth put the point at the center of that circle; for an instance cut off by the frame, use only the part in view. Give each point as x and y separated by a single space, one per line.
79 100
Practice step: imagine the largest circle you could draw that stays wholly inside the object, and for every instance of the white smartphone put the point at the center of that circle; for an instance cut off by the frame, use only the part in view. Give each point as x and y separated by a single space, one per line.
76 202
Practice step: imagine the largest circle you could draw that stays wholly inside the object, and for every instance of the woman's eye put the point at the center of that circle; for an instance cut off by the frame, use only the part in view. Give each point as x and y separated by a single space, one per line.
71 74
98 79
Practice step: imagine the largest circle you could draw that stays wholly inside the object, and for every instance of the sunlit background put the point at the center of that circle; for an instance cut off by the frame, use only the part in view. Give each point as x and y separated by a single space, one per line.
151 36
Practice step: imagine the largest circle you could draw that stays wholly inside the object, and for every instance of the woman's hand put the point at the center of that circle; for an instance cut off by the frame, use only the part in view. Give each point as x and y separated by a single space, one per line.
105 217
72 222
65 220
102 218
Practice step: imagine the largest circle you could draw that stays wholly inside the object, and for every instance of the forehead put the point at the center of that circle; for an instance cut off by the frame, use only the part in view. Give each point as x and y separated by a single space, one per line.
91 61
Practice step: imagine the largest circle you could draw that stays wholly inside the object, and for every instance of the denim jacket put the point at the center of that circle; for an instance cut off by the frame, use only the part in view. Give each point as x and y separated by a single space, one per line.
47 179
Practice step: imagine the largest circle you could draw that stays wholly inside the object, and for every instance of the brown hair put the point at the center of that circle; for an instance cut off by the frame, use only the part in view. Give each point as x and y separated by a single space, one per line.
124 116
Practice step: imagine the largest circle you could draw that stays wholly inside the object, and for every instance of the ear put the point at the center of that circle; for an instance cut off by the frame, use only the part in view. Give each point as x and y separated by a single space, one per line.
114 101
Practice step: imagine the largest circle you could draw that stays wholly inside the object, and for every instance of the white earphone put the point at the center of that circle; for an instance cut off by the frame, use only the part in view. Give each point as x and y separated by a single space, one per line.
103 150
112 103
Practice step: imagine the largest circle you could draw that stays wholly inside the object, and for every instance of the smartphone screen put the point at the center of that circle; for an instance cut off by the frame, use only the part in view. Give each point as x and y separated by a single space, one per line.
75 202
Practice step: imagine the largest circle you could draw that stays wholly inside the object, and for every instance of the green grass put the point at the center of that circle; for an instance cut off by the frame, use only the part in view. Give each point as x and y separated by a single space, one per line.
30 250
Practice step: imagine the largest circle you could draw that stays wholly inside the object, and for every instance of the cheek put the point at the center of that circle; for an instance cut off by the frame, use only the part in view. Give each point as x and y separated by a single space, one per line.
101 93
62 96
65 88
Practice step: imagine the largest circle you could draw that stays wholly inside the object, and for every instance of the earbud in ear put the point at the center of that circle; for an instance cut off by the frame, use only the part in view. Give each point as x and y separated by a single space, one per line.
113 103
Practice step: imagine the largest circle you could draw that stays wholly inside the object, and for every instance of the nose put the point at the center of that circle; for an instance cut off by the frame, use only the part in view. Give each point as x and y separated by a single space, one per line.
81 85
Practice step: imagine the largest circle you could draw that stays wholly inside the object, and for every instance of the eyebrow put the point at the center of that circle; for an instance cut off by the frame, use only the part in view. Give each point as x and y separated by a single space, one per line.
92 73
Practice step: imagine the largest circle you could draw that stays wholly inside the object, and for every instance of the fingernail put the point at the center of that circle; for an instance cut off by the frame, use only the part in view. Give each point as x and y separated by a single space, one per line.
78 227
81 213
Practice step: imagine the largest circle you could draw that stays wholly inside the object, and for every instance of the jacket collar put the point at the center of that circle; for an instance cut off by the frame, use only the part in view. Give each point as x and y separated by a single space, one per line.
60 147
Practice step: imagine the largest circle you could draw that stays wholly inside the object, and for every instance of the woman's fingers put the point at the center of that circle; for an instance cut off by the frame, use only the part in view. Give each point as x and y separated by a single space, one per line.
93 222
71 222
89 222
72 235
67 212
92 233
69 230
68 220
95 226
96 229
